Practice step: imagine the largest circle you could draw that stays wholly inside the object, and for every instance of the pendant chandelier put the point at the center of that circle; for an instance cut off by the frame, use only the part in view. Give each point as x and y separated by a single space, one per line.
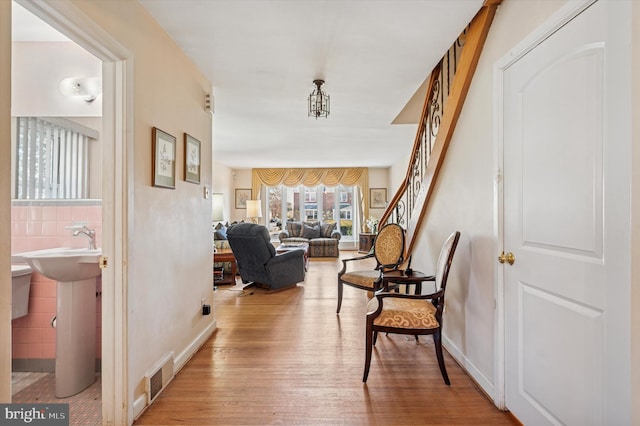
318 101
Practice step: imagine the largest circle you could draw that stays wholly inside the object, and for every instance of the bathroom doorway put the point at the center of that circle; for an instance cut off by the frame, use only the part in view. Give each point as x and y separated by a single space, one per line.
44 211
66 19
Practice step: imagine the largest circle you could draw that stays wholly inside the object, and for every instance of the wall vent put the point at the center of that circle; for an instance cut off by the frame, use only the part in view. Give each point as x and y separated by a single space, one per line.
158 377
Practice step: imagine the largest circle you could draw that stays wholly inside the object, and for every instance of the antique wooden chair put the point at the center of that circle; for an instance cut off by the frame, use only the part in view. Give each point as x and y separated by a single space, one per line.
412 314
388 250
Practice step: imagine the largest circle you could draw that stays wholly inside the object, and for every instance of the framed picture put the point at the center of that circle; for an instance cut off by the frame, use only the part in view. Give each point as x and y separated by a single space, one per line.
377 198
191 159
164 159
242 195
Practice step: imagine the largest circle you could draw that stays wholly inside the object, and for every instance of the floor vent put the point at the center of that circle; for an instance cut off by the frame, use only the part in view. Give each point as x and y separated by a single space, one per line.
158 377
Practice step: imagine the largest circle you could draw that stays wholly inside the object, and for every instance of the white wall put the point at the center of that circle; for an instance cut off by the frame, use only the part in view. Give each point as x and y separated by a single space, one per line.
463 200
169 246
240 179
38 68
398 172
379 178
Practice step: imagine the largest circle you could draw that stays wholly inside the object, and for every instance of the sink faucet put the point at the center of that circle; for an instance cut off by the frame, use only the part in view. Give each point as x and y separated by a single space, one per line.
89 233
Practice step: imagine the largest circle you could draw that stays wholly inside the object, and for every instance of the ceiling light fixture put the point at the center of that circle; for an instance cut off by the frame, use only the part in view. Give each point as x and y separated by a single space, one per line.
86 88
318 101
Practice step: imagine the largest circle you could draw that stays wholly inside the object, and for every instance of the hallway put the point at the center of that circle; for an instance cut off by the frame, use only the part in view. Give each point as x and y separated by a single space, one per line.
287 358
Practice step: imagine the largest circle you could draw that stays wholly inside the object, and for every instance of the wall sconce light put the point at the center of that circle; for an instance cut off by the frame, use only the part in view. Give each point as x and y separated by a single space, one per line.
318 101
88 88
254 210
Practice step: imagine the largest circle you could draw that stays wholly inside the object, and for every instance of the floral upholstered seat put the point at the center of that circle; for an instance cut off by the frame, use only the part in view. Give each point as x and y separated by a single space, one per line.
405 313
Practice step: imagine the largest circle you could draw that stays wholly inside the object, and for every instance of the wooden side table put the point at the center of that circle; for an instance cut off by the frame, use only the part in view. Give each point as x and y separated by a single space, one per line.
366 241
394 278
226 256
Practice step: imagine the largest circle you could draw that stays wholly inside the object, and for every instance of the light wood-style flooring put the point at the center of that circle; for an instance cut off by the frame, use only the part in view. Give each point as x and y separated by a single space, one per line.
286 358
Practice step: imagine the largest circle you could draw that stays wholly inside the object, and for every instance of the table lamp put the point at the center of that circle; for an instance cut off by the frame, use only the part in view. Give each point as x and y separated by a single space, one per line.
254 210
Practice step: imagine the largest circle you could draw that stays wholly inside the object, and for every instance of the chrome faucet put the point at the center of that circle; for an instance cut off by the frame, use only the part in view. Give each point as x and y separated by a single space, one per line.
89 233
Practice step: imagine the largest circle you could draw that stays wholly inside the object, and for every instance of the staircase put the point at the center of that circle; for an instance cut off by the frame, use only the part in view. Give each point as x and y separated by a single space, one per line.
447 88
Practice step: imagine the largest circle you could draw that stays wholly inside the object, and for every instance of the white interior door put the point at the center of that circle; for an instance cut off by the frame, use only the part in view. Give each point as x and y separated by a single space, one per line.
565 222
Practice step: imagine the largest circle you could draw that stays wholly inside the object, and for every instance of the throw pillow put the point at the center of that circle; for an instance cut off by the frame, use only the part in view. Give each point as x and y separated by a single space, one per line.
294 229
326 229
220 232
310 232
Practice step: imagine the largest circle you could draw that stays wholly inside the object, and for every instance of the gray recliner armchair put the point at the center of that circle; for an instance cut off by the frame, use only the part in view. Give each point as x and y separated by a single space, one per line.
257 259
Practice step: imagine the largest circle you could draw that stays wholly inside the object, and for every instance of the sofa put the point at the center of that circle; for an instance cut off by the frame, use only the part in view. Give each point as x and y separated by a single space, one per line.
323 237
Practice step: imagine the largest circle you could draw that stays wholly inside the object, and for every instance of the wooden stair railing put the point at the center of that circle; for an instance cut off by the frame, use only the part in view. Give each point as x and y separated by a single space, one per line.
446 92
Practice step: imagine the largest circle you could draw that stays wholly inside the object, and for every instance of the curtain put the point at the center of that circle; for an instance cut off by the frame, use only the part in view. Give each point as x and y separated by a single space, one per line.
357 176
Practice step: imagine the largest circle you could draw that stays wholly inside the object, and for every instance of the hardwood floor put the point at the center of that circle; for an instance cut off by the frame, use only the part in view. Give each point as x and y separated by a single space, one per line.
286 358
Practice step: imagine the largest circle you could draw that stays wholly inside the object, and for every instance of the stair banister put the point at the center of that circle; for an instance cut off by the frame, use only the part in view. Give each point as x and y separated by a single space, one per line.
420 179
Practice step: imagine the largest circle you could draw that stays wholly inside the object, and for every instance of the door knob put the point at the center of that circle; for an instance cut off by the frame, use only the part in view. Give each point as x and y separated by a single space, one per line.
508 257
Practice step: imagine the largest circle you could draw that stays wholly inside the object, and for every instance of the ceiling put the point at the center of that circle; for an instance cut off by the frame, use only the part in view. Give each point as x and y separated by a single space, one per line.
262 56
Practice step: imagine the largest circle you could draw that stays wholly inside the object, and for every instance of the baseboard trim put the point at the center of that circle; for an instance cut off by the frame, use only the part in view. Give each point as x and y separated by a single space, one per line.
184 356
36 365
470 368
140 403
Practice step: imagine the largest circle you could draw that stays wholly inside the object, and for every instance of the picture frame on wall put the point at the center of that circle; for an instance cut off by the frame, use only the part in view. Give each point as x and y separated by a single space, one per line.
242 195
191 159
164 159
377 198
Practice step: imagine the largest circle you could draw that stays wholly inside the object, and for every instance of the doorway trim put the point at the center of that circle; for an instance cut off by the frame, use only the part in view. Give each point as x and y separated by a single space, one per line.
117 113
556 21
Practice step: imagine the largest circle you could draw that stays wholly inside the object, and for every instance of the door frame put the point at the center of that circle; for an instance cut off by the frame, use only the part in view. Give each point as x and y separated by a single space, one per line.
117 135
565 14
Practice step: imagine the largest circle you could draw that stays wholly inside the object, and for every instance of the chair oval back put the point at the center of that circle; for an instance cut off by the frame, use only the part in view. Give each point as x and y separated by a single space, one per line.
445 259
389 245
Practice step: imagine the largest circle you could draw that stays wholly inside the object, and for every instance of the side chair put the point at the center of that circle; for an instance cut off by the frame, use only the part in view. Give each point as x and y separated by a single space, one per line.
388 250
412 314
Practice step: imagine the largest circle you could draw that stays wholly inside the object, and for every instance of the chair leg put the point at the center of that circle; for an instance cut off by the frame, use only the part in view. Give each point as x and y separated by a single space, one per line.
375 337
370 341
339 296
437 340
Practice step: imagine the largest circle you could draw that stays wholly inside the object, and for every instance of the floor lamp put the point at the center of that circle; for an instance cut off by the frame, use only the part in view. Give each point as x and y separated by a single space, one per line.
254 210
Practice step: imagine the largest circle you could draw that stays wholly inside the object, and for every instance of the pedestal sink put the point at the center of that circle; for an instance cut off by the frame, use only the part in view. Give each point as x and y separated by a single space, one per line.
75 270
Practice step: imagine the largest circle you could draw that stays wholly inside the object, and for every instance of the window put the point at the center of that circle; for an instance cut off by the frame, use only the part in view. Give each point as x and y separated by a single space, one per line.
345 214
310 203
318 203
310 195
51 159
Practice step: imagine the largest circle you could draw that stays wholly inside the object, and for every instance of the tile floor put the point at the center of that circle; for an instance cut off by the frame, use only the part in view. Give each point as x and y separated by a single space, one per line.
85 408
